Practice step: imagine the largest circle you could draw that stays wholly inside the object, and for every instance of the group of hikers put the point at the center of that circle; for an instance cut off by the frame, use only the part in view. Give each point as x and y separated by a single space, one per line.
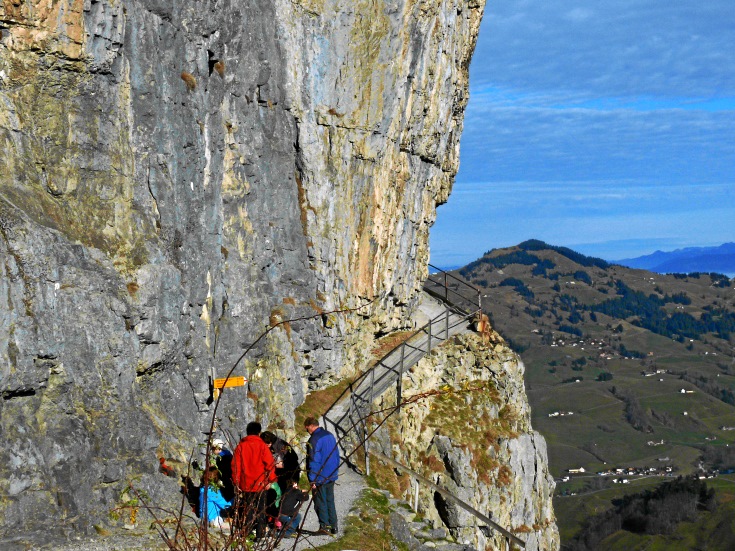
257 486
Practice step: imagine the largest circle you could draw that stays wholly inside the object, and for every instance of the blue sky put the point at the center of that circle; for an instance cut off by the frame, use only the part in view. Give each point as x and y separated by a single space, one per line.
607 127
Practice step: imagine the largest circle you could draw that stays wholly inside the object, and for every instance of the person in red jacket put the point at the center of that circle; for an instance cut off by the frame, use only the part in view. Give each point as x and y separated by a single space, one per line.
253 472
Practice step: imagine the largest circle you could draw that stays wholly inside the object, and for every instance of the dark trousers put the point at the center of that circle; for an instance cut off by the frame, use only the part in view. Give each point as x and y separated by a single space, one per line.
251 513
324 505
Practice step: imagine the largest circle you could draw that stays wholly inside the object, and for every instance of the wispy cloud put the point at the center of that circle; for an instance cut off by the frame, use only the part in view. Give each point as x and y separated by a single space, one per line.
597 124
617 48
577 144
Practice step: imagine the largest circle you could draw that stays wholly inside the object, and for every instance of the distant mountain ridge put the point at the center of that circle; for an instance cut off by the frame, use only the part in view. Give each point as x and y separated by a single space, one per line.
719 259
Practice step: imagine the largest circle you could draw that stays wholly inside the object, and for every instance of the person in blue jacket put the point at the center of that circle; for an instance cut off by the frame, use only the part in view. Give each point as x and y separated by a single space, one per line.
217 505
322 466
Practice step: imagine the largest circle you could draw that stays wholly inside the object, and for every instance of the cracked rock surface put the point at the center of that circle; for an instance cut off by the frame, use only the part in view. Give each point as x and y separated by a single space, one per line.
174 177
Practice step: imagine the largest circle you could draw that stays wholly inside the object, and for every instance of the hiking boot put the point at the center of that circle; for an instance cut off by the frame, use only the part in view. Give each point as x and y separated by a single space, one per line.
333 530
326 530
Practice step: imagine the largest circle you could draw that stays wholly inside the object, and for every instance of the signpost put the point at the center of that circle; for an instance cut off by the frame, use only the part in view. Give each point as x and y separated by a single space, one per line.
225 382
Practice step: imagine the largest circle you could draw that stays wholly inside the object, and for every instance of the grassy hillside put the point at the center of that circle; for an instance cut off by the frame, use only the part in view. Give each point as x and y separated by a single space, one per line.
612 348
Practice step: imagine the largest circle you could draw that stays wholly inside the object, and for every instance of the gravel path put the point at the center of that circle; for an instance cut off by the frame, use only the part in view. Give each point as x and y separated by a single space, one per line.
346 491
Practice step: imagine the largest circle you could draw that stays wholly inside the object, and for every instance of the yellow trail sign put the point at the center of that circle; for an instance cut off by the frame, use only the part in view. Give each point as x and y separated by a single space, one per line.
232 381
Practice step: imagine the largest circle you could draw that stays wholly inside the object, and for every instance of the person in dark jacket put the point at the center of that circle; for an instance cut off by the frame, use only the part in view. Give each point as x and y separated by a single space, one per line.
322 466
289 516
223 462
288 470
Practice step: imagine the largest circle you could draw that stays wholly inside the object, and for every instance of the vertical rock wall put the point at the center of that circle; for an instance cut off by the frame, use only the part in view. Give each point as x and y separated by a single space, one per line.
175 174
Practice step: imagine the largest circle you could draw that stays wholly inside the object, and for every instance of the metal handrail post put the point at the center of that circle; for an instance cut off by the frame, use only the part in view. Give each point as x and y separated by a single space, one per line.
367 449
428 349
446 288
364 423
399 384
446 325
416 495
372 388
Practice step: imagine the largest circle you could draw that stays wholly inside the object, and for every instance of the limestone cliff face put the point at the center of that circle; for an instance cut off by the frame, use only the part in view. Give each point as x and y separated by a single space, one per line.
175 174
471 434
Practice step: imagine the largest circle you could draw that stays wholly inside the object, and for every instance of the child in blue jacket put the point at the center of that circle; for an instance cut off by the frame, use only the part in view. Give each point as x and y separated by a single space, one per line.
217 505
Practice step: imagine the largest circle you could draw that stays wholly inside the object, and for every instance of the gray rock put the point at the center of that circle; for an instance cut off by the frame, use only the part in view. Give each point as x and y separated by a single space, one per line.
178 178
401 531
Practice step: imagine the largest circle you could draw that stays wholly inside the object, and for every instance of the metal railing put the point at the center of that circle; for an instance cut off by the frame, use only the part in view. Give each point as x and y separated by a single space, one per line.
453 291
350 425
462 301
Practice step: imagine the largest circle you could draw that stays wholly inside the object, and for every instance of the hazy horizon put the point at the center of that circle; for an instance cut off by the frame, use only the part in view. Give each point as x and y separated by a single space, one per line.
579 249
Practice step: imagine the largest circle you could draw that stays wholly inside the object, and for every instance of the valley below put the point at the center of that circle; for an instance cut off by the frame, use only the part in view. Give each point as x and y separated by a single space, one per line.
630 375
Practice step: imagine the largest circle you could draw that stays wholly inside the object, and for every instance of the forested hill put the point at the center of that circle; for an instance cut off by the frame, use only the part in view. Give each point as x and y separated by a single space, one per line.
625 368
569 289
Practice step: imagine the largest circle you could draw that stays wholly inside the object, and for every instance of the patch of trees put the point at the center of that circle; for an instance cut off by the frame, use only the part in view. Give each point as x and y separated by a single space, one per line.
680 298
635 415
719 457
630 353
567 302
534 312
718 280
709 386
517 347
582 260
543 265
629 303
519 286
649 314
571 330
718 321
605 376
651 512
575 317
584 277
